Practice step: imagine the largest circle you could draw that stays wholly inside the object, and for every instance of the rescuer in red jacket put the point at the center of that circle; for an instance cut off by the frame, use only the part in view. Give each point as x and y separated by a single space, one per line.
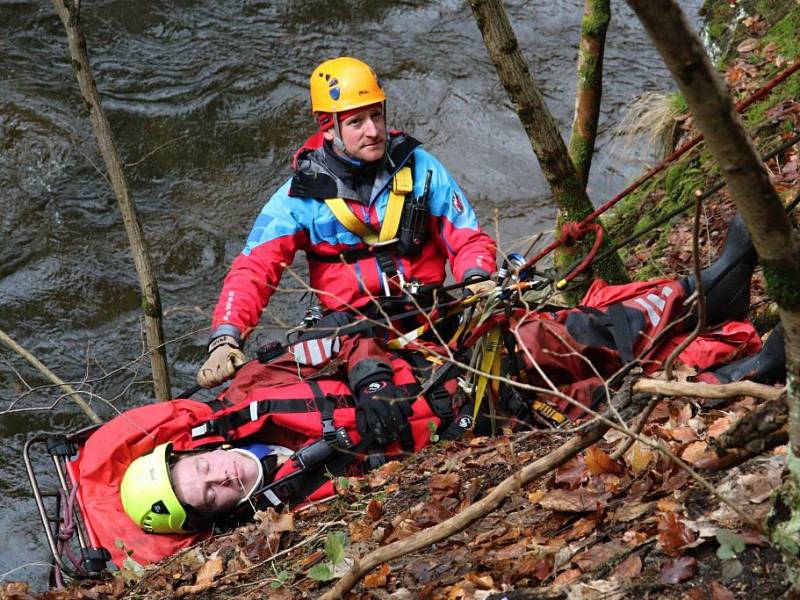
375 215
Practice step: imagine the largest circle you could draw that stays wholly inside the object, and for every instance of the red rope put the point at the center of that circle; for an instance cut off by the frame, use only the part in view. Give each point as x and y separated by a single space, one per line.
755 97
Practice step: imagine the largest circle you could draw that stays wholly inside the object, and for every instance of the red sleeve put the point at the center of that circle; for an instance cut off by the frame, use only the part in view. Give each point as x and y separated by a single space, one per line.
251 282
470 251
365 361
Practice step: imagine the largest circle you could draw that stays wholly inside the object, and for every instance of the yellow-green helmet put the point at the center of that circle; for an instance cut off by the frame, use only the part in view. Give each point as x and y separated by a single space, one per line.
147 494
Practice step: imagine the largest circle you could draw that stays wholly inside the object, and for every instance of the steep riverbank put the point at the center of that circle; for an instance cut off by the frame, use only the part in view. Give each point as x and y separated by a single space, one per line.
645 530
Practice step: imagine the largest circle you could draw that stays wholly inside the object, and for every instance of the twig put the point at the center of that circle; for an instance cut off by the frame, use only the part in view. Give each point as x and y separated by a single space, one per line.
638 425
50 375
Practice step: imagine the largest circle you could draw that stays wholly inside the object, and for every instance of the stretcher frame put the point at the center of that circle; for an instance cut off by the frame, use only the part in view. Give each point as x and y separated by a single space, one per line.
52 506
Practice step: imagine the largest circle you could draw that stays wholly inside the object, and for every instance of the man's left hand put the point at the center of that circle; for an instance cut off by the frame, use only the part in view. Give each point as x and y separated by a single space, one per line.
479 287
383 413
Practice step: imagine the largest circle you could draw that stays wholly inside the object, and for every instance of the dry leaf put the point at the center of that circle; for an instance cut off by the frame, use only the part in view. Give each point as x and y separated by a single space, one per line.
629 511
759 486
361 530
573 472
402 529
581 528
718 427
482 582
628 568
667 504
377 578
445 486
374 510
747 45
535 496
597 554
566 577
599 462
678 570
694 452
271 521
579 500
682 434
205 578
511 552
639 457
720 592
673 534
378 477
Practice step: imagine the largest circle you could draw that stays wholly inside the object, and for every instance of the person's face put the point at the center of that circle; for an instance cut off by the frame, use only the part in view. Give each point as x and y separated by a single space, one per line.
213 482
364 134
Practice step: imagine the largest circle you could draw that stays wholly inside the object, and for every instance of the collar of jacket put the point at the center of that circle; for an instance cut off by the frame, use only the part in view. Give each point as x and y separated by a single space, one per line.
316 179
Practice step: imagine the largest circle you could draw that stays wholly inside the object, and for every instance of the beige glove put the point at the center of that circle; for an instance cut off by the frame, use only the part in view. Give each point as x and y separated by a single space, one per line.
481 287
224 357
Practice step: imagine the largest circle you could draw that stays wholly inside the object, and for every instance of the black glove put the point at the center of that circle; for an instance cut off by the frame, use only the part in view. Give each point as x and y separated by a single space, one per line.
382 413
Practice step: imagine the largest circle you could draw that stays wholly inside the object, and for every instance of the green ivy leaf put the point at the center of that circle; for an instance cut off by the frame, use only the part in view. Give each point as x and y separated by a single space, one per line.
132 568
731 569
334 546
730 544
433 436
321 573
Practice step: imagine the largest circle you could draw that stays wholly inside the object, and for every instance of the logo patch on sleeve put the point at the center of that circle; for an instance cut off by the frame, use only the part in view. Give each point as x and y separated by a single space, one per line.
458 205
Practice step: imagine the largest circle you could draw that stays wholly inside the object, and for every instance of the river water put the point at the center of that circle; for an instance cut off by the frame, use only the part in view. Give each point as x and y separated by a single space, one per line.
207 101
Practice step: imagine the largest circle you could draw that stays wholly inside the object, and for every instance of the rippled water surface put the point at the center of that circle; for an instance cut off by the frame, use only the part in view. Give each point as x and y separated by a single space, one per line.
207 101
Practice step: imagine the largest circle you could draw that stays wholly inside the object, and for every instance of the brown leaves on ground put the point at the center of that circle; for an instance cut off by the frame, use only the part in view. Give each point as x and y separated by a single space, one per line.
593 522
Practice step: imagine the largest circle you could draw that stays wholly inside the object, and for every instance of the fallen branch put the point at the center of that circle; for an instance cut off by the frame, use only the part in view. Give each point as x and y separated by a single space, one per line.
42 368
464 519
707 390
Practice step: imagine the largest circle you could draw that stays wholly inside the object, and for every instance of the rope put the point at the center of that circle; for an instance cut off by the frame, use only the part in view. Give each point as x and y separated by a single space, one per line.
712 190
755 97
65 532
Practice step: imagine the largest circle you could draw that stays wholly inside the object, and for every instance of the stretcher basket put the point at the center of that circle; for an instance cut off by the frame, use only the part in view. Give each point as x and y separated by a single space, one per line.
70 534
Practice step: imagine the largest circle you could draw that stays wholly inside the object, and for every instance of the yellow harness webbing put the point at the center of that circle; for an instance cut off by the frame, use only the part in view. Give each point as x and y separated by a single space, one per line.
402 184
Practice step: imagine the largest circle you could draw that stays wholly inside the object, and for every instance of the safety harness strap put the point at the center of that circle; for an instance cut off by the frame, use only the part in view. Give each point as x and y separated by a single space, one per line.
402 184
226 425
296 487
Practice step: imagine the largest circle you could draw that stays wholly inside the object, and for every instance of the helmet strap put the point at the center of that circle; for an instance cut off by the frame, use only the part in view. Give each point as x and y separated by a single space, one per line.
338 143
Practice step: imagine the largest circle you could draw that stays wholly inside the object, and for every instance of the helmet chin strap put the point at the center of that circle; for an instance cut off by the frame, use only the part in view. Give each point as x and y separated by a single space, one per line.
338 144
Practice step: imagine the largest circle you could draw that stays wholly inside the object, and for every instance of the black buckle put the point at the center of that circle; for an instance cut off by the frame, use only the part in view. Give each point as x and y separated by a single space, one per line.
439 401
386 262
94 559
58 445
329 431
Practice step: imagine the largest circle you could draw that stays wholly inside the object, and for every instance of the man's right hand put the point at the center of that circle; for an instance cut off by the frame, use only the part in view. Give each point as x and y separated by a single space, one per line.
224 357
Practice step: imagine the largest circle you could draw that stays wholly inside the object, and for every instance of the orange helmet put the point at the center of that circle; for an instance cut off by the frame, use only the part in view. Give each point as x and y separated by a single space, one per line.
342 84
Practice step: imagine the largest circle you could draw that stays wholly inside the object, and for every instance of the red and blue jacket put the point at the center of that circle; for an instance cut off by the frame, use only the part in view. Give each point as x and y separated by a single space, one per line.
297 218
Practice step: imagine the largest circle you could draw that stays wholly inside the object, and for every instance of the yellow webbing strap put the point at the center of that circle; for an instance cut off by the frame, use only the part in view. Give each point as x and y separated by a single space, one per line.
351 222
490 363
549 412
402 184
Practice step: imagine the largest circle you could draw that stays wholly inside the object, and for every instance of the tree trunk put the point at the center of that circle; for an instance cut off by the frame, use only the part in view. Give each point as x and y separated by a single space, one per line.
589 90
568 192
69 13
755 198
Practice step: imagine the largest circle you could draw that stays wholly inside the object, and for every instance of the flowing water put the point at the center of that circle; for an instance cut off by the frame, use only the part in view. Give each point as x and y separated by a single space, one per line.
207 101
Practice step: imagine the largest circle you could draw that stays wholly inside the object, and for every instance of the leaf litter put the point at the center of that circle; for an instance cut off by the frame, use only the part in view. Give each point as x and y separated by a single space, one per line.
595 526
